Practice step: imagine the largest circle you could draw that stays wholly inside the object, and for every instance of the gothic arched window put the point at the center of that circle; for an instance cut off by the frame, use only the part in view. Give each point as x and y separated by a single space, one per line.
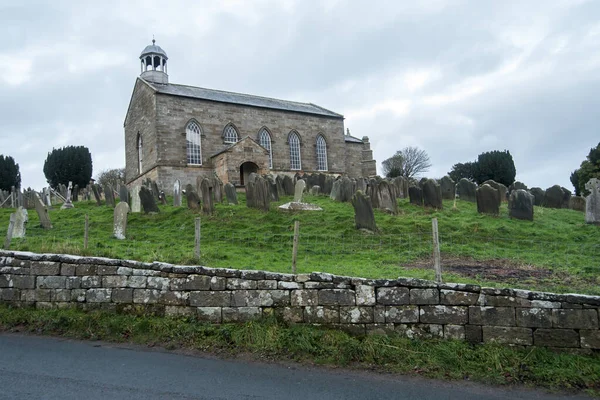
230 134
264 139
321 153
194 148
295 159
140 153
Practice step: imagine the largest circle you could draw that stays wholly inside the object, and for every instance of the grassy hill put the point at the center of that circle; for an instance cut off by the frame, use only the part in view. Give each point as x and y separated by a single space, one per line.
556 252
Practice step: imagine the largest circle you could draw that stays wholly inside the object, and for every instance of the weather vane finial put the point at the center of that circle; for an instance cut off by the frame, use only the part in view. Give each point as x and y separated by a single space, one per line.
153 41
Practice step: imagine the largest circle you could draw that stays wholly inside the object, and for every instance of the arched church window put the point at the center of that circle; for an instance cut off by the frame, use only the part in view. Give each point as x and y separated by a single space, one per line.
140 153
194 148
230 134
264 139
295 159
321 153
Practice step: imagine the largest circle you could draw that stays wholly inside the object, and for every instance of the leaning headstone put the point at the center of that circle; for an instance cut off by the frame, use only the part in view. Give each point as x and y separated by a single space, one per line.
517 185
415 195
75 193
383 194
502 190
361 184
347 189
335 190
487 200
279 183
448 188
177 193
315 190
553 198
262 197
46 197
538 195
288 186
109 196
231 194
577 203
63 190
217 185
163 198
208 207
272 180
68 204
193 201
364 218
432 194
120 220
136 205
42 213
520 204
21 219
592 202
124 194
299 190
466 190
155 190
148 201
566 197
328 185
96 192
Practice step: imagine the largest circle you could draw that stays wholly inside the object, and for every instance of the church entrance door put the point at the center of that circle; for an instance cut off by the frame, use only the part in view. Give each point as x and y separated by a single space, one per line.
246 169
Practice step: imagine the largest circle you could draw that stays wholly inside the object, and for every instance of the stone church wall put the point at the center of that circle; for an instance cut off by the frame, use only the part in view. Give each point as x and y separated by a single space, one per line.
411 307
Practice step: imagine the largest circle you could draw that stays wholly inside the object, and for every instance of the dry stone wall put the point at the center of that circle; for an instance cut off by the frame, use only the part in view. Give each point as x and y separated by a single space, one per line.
411 307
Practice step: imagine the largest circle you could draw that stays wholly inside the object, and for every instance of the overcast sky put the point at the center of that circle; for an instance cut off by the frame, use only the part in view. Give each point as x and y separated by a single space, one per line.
455 78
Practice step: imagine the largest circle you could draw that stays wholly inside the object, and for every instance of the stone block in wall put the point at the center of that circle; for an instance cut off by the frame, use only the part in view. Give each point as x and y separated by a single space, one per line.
301 298
62 295
209 314
278 276
155 282
420 331
67 269
266 284
15 262
51 282
302 278
583 299
23 281
458 298
240 314
424 296
28 296
73 282
365 295
590 339
107 270
556 338
473 334
402 314
122 296
15 271
179 311
321 277
337 297
507 335
137 282
454 315
534 317
252 274
325 285
293 314
114 281
78 295
503 301
5 281
98 295
10 294
356 315
211 299
238 283
197 282
380 329
218 283
227 272
576 319
497 316
462 287
289 285
174 298
454 332
125 271
393 296
45 268
146 296
321 315
545 304
86 270
88 282
379 314
261 298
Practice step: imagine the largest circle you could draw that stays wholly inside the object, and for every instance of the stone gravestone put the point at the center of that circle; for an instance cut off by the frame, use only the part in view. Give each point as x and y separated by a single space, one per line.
42 212
346 189
217 185
328 185
553 198
364 218
177 193
577 203
592 202
193 201
208 207
517 185
198 186
538 195
361 184
45 196
68 204
273 187
109 196
487 200
299 190
566 197
257 194
231 194
75 193
335 190
315 190
63 190
448 188
502 190
432 194
163 198
279 183
466 190
96 192
155 190
124 194
520 204
120 220
21 219
415 195
136 205
147 200
386 197
288 186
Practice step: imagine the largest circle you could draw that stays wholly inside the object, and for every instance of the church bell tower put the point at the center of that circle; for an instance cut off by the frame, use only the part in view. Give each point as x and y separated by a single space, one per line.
154 64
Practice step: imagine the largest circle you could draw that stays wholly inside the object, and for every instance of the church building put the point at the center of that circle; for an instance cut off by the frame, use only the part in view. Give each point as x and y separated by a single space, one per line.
182 132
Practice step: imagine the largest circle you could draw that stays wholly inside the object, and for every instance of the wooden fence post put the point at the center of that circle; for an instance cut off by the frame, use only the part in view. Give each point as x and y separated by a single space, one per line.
9 234
295 245
197 239
436 251
86 229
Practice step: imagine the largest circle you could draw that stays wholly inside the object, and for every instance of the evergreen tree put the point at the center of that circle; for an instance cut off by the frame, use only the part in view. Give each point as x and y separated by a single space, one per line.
68 164
589 168
466 170
9 173
496 165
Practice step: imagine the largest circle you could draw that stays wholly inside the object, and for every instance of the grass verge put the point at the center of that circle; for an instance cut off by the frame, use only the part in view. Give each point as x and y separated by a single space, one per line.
274 340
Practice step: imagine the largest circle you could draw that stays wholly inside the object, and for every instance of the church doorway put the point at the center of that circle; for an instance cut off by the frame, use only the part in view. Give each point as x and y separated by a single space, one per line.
246 169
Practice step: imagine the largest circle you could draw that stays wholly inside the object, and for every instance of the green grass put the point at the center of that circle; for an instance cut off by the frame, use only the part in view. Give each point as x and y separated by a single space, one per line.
272 339
556 252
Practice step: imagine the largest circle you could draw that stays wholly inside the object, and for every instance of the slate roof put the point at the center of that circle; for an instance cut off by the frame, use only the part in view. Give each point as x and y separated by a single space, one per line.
243 99
352 139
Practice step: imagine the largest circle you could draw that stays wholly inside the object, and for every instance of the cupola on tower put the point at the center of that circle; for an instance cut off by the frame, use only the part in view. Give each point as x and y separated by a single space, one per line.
154 64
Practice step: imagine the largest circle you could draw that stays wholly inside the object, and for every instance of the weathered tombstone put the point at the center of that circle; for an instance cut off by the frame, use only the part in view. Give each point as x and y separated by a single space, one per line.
120 220
272 180
45 196
155 190
136 205
262 197
553 198
335 190
592 202
502 190
279 183
347 189
63 190
198 186
299 190
42 212
448 188
487 200
432 194
386 195
109 196
315 190
361 184
467 190
288 186
217 186
75 193
193 201
68 204
124 194
163 198
566 197
577 203
538 196
517 185
21 219
364 218
96 192
208 207
415 195
148 201
520 204
328 185
231 194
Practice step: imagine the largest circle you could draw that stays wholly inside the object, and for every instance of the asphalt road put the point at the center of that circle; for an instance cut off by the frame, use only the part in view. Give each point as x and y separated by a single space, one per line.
48 368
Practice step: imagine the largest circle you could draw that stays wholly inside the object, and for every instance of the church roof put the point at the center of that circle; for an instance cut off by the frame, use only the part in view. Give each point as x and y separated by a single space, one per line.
352 139
242 99
153 49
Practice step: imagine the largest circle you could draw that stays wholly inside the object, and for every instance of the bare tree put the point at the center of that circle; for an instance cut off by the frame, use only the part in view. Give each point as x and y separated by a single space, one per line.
111 177
408 162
